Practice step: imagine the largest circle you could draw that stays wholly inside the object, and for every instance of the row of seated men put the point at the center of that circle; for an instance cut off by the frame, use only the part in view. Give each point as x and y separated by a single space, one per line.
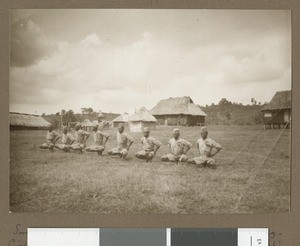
178 146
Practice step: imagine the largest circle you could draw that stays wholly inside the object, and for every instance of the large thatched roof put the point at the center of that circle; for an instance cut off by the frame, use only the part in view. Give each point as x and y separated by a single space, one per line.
142 115
281 100
122 118
177 105
28 120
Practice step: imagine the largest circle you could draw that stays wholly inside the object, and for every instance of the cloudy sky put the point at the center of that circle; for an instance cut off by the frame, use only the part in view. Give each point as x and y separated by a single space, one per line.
119 60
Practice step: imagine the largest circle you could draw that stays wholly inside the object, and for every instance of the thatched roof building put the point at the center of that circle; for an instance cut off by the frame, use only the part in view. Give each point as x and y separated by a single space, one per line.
19 121
278 111
178 111
123 118
87 125
281 100
142 115
142 118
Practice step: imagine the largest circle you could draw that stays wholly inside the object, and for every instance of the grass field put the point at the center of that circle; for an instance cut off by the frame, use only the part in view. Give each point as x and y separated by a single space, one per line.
41 181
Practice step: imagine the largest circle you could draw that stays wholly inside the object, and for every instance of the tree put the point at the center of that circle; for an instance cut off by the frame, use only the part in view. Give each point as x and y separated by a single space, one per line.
69 117
253 101
55 123
43 114
258 118
63 111
228 115
89 110
84 110
224 102
57 114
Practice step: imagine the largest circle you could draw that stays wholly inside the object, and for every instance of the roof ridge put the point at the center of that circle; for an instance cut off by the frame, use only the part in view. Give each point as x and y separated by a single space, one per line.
280 100
179 105
24 114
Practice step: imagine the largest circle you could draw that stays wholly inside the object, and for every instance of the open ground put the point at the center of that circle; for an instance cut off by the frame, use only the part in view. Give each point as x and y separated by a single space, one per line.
253 175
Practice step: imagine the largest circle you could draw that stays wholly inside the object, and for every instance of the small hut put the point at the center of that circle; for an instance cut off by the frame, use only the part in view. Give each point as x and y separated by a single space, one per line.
142 118
87 125
123 118
277 113
178 111
19 121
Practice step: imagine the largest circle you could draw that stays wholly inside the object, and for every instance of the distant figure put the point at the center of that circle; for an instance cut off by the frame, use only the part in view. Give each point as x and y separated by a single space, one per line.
179 147
124 142
207 148
100 139
66 141
101 123
52 137
150 146
81 137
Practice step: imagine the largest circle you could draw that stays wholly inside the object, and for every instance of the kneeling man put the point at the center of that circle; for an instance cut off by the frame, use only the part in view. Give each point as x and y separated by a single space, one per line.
179 147
66 141
100 139
81 137
150 146
124 142
207 148
52 137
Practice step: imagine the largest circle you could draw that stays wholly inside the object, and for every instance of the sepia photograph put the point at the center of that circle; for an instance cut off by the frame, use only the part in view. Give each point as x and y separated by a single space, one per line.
150 111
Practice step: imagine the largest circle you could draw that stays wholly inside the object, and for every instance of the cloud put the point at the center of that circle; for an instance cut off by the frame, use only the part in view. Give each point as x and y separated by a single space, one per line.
91 39
28 44
106 74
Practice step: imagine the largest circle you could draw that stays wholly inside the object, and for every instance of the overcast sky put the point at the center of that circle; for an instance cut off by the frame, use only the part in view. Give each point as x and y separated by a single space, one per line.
119 60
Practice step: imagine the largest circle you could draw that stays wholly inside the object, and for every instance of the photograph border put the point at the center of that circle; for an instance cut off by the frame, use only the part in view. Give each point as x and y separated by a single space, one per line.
13 226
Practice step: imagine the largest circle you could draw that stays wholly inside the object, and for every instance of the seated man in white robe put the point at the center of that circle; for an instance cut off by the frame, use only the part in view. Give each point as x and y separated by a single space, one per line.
52 137
178 147
66 141
100 139
150 146
124 142
81 137
207 148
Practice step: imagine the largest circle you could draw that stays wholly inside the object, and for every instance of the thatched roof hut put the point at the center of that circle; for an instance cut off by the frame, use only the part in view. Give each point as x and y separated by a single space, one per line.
278 111
281 100
123 118
19 121
178 111
87 125
142 118
142 115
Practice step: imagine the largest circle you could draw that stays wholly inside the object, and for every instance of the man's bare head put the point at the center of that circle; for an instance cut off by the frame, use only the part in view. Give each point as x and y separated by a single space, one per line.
95 128
204 132
146 132
121 128
176 133
77 126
